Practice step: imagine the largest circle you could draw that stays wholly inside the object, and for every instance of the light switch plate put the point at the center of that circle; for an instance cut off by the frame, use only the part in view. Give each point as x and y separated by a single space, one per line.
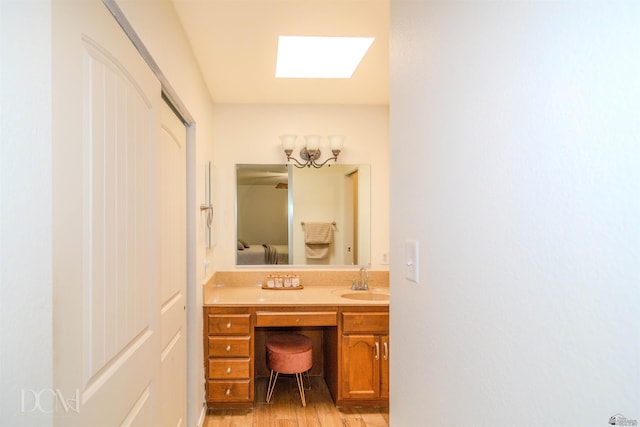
411 260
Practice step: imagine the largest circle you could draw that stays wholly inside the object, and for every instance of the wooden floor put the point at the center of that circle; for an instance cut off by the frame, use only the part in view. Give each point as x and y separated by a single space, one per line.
285 409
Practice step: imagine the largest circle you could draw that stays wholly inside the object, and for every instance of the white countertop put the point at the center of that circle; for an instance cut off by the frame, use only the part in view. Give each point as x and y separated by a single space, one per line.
308 296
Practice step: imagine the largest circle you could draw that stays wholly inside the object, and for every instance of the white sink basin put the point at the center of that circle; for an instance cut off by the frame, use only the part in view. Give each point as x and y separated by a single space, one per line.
370 295
366 296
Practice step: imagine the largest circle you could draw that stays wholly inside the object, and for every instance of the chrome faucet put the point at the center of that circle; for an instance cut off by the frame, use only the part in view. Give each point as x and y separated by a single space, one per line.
362 284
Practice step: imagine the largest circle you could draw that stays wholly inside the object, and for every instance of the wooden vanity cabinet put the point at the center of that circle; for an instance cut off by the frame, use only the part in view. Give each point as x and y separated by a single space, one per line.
229 356
352 354
364 360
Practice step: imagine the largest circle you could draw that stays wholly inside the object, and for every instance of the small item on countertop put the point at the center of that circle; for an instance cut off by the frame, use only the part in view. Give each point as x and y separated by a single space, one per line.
279 281
271 282
282 281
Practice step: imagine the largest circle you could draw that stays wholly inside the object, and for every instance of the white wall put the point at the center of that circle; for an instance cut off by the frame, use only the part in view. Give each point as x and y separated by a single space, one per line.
249 133
26 357
515 161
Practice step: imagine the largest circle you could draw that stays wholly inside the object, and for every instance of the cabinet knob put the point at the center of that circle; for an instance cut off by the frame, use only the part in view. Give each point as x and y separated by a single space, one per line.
386 351
228 392
228 370
229 325
229 347
377 356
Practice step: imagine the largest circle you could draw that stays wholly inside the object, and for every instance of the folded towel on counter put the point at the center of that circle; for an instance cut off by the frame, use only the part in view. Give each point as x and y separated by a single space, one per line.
318 236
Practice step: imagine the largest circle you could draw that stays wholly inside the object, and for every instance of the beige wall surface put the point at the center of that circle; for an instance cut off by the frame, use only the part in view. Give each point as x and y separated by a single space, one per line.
262 204
249 133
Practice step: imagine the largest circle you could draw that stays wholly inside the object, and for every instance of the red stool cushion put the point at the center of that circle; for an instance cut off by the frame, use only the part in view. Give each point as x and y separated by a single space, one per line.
289 353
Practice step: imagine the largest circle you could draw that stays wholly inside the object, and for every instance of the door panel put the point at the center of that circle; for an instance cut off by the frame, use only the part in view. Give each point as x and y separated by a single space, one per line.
118 261
173 268
117 256
361 362
106 325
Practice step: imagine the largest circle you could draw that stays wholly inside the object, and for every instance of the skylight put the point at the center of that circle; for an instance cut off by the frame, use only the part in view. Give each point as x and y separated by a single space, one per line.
320 57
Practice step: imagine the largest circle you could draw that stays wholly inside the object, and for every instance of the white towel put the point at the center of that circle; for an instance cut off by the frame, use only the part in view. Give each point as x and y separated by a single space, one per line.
318 236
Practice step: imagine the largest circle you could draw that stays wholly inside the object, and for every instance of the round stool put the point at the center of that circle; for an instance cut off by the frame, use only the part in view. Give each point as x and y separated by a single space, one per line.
288 354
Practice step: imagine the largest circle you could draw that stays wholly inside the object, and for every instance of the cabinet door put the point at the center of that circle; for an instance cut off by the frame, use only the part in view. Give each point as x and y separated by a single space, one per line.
361 366
384 367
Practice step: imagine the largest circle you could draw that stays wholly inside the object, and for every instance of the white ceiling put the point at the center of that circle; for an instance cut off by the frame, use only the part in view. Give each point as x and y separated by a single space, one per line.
235 43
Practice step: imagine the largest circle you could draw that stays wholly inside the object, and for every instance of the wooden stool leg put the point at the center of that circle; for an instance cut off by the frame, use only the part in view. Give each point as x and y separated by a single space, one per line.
299 380
271 385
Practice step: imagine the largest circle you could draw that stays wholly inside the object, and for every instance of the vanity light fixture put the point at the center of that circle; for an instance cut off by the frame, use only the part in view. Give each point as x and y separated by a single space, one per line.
310 153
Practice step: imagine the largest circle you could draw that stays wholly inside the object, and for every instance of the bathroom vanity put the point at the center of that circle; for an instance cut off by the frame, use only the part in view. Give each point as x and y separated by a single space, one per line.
349 330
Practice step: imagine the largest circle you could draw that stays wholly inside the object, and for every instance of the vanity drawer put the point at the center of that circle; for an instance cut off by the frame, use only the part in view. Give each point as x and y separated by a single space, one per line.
229 324
223 346
375 322
296 318
229 368
228 391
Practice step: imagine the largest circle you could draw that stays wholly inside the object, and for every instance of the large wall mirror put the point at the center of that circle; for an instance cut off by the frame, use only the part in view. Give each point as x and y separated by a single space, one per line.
303 216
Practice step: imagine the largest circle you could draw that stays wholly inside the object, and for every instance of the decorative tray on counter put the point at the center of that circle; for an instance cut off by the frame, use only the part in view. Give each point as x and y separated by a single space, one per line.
281 288
282 282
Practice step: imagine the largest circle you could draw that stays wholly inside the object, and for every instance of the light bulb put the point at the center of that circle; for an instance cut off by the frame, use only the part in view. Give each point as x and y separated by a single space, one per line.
313 142
336 142
288 141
